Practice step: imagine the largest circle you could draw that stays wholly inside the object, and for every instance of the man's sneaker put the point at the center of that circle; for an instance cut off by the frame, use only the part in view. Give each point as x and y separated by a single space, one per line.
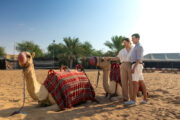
143 102
131 102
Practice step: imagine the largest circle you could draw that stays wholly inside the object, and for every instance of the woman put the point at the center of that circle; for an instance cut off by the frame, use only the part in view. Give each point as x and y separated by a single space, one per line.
126 78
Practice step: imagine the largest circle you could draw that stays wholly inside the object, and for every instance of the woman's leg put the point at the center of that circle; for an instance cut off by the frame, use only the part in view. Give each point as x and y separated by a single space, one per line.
124 77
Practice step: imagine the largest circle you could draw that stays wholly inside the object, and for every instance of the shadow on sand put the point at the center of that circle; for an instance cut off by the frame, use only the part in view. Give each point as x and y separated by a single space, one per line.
83 110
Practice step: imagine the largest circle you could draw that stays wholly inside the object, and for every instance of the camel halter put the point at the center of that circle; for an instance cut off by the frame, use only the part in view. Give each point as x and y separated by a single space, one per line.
24 96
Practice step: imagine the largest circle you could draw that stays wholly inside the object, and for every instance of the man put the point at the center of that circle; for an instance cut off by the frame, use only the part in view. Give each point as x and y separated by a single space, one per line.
126 79
137 68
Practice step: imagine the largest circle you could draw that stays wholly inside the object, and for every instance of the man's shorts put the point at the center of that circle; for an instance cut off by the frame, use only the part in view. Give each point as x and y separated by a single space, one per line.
138 73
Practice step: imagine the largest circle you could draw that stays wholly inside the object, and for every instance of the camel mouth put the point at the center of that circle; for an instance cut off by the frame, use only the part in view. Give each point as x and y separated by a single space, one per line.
22 59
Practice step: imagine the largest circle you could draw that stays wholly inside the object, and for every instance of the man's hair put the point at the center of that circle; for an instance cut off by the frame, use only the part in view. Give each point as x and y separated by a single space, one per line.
126 39
136 35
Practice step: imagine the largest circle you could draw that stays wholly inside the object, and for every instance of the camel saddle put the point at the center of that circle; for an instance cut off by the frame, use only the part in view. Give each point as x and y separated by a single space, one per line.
69 88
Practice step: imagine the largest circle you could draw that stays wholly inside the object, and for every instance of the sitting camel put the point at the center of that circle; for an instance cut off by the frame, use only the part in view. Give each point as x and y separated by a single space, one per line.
111 87
40 93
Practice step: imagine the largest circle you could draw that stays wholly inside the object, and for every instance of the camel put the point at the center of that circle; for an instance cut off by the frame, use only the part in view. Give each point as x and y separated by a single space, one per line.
108 85
37 91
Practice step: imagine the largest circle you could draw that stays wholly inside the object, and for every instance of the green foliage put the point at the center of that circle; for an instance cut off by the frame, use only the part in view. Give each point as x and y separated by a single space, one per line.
115 45
97 53
2 52
87 49
55 49
29 46
72 49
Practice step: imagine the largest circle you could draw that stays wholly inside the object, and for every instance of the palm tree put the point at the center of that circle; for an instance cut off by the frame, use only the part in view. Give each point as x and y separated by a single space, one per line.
115 46
72 49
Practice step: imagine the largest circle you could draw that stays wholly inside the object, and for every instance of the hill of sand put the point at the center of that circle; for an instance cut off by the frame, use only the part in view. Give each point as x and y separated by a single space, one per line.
163 104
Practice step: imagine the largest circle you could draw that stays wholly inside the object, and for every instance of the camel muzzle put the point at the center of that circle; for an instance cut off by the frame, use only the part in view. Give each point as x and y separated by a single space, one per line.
22 59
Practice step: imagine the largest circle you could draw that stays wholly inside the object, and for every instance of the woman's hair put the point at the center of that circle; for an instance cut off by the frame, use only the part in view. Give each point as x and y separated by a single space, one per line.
127 40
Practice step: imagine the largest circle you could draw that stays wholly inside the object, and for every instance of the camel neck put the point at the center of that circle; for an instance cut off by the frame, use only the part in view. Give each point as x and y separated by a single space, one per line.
31 81
106 72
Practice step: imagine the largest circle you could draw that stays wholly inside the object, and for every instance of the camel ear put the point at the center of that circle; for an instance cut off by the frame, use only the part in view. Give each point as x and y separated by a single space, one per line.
33 54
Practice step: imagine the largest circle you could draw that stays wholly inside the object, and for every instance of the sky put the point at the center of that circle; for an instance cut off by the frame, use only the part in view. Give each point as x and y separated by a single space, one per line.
96 21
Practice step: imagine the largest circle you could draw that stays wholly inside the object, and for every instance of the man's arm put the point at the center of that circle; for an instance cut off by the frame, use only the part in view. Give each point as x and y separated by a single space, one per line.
133 69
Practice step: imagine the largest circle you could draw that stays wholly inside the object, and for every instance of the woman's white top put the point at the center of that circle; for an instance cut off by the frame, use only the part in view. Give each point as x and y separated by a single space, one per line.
124 55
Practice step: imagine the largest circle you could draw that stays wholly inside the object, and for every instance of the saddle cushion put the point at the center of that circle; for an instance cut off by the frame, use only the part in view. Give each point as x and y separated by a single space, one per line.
69 88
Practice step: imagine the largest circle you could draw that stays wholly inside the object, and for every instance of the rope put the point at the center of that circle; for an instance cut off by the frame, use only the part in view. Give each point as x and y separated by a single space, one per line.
24 97
98 72
98 78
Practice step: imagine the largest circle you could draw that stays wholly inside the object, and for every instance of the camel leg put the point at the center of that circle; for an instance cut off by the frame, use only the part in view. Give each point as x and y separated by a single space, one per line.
106 95
114 90
116 93
119 90
112 87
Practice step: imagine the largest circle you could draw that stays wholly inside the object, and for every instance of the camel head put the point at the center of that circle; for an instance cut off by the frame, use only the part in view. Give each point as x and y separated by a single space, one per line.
25 59
102 62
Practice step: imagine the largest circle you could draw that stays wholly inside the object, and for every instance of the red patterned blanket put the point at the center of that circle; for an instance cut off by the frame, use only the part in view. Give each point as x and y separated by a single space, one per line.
115 73
69 88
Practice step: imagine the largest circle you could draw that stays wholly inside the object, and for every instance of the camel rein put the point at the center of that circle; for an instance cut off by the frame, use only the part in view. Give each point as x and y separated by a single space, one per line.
24 96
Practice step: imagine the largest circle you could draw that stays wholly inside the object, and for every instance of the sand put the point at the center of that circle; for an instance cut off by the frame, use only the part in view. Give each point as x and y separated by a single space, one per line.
163 104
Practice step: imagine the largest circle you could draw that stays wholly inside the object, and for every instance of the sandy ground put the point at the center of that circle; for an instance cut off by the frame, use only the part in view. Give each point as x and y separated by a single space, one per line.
164 101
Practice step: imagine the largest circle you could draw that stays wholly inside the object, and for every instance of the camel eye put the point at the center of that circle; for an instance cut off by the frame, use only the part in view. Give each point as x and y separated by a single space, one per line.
28 56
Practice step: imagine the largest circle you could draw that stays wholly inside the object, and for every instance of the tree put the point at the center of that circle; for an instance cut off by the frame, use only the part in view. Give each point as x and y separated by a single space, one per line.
115 45
29 46
55 49
2 52
97 53
72 49
87 49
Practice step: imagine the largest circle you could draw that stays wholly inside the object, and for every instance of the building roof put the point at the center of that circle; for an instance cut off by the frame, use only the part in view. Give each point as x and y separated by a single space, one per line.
11 57
162 57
